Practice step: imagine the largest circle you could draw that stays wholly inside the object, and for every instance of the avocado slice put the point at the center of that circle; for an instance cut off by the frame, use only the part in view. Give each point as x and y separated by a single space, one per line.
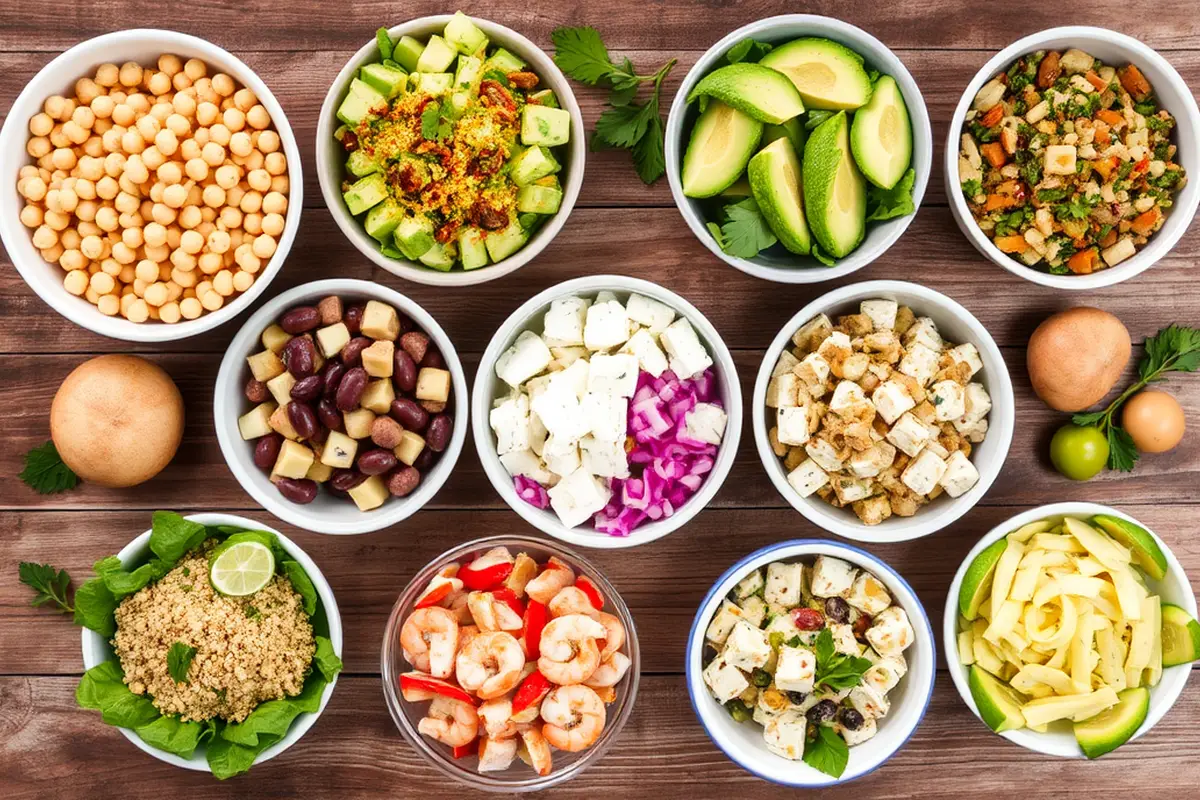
1180 637
1112 728
977 582
437 56
881 135
414 237
753 89
793 129
1146 552
738 190
439 257
775 181
383 219
531 165
827 74
999 704
723 140
503 61
360 165
535 199
835 193
365 193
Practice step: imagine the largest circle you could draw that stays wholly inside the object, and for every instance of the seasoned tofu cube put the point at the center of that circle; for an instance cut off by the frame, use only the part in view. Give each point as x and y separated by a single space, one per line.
923 473
783 583
807 478
960 475
792 424
722 622
649 312
257 421
855 367
754 610
615 375
813 332
358 422
1060 159
606 325
377 359
843 639
868 594
782 391
949 400
561 455
885 674
706 423
795 670
786 363
825 454
380 321
924 332
751 584
909 434
527 357
813 371
746 646
293 461
371 493
977 403
891 400
785 735
975 432
339 451
606 459
331 339
688 357
848 399
871 462
280 387
873 510
864 732
724 680
411 445
920 362
378 396
606 414
831 577
881 312
265 365
433 384
527 463
849 490
511 423
781 622
967 354
562 326
869 702
578 496
650 357
890 632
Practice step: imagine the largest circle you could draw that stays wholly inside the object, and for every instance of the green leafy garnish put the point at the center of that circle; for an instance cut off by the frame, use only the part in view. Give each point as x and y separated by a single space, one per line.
50 585
972 188
179 661
384 43
827 752
895 202
45 471
627 125
431 119
836 670
749 50
822 256
746 232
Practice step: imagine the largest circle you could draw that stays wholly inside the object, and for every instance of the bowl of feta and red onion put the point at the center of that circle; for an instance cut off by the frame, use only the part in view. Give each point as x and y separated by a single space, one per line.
607 411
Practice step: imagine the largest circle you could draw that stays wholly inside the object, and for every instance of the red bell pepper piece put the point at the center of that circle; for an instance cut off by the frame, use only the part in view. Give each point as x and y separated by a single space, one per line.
585 585
468 749
486 579
417 686
536 617
435 595
510 599
532 690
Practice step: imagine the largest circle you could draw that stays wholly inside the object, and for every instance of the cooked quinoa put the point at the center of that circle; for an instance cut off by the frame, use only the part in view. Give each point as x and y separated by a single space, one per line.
248 650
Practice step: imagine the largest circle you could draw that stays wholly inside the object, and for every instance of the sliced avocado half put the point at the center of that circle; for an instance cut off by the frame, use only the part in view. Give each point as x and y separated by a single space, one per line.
881 135
835 193
723 140
1146 552
765 94
775 181
827 74
1112 728
1180 637
999 704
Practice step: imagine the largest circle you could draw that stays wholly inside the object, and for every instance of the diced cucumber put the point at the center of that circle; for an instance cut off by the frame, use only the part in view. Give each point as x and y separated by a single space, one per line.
530 222
549 180
545 126
534 199
385 80
460 101
360 165
467 75
360 101
464 34
383 219
387 62
434 84
546 97
407 52
503 243
472 249
531 164
504 61
414 237
365 193
389 251
439 257
437 55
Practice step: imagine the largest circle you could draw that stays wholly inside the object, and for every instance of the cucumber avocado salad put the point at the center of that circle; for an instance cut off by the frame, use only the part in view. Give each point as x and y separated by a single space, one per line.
451 149
799 145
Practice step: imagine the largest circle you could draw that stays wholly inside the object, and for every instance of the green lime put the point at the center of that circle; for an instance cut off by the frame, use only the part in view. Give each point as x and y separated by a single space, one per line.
1180 636
1079 452
242 569
1146 552
999 704
977 582
1110 729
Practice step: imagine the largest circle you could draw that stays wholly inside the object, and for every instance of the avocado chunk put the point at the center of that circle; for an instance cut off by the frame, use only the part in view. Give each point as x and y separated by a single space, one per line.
723 140
1115 726
414 237
383 219
999 704
532 164
386 80
881 135
359 164
828 75
439 257
464 34
365 193
546 126
546 97
1145 551
835 193
775 181
467 75
360 101
471 248
407 52
753 89
535 199
738 190
1180 637
503 243
977 582
434 84
793 129
504 61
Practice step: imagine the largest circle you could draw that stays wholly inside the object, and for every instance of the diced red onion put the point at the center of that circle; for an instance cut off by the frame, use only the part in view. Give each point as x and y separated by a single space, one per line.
531 491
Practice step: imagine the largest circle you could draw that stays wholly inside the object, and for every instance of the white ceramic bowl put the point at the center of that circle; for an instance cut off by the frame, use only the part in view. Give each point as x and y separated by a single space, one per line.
1114 49
743 742
789 268
328 514
143 46
97 649
957 325
1175 589
489 387
331 157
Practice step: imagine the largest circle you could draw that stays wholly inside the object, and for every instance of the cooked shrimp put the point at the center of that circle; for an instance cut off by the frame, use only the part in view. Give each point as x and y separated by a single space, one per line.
554 577
574 717
535 751
610 672
571 600
492 615
429 640
457 602
465 634
614 638
451 722
606 693
495 755
496 716
570 653
490 665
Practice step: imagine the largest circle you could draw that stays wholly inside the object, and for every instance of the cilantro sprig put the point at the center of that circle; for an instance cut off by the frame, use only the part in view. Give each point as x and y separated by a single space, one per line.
49 584
836 671
745 231
1175 348
627 124
45 471
179 661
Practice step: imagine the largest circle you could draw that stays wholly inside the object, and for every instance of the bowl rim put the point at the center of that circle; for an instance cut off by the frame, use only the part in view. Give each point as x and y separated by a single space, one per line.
103 48
430 753
546 520
958 673
93 642
237 455
799 548
1158 246
1001 419
922 146
413 271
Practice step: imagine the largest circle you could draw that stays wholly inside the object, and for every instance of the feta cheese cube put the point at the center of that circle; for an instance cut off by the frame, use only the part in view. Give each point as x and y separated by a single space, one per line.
607 415
749 585
1060 159
722 622
724 681
511 424
645 349
935 447
785 735
924 332
647 311
795 670
967 354
606 297
923 473
688 357
825 454
812 332
781 622
891 400
605 459
949 400
783 583
848 399
831 577
561 455
746 647
527 357
890 633
868 594
909 434
885 674
606 326
960 475
881 312
782 391
706 423
577 497
537 433
869 702
1123 249
558 407
920 362
792 425
813 371
526 462
977 403
761 715
786 363
869 463
843 639
566 356
754 610
563 323
807 478
615 375
865 731
577 376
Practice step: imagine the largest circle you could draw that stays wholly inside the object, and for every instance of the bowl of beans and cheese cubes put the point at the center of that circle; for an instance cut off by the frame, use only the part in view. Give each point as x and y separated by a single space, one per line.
606 411
810 652
883 411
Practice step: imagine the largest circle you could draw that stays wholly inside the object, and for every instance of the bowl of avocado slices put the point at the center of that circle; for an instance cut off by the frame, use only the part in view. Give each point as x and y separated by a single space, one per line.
798 148
450 150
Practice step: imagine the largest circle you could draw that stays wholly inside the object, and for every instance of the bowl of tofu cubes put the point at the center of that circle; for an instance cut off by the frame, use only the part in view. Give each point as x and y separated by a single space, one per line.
810 663
883 411
341 406
607 411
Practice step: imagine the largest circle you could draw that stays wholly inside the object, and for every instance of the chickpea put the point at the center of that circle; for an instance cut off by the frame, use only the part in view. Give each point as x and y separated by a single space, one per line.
123 114
55 220
213 196
146 271
252 223
132 237
103 107
138 102
93 248
161 110
251 202
231 217
137 311
268 142
191 242
73 261
240 144
264 246
106 219
206 113
153 158
259 180
175 196
170 64
159 83
38 146
223 283
155 294
181 82
108 304
169 173
189 150
148 127
247 260
34 189
212 301
132 141
45 237
85 189
190 308
182 260
52 254
173 234
76 282
222 84
63 158
41 124
190 217
107 188
135 167
157 254
107 75
234 119
130 74
103 283
123 254
201 137
195 69
255 160
209 263
166 141
85 212
55 106
31 216
70 239
184 279
213 154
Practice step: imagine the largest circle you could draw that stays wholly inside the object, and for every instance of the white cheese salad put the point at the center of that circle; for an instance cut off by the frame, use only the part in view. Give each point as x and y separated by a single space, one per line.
877 412
613 413
809 652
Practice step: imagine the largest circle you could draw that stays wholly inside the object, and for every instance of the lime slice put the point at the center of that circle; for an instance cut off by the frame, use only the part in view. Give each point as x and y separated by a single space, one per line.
1180 637
977 582
1146 552
1110 729
242 569
999 704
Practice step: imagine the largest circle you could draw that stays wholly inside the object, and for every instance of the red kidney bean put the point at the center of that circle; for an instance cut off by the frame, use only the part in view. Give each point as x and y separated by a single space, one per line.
404 372
438 434
303 419
300 319
433 358
406 323
350 390
409 414
308 389
301 491
266 450
415 344
320 436
343 480
332 373
376 462
352 353
353 318
299 356
427 458
403 481
257 392
328 413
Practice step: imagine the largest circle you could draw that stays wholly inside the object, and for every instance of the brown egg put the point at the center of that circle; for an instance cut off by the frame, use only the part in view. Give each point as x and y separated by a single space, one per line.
1076 356
1154 420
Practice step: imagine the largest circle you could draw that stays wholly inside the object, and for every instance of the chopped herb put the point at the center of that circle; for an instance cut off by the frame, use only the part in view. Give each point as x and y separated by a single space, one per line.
827 752
746 232
252 612
1053 195
179 661
748 50
972 188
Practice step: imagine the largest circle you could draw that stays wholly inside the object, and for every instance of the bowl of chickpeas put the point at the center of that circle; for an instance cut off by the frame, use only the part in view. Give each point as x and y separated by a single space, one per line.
150 187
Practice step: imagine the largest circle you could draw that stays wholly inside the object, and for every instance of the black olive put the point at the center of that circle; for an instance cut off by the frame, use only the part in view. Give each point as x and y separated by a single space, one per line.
796 697
837 610
851 720
822 712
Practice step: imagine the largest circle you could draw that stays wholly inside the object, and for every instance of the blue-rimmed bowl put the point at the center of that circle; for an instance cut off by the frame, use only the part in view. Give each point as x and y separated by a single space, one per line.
743 742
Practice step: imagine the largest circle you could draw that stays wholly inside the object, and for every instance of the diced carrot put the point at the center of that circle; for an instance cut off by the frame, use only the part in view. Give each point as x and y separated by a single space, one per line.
1144 223
1112 118
994 153
1105 166
993 116
1109 238
1134 81
1012 244
1083 262
1102 136
1142 165
995 201
1095 80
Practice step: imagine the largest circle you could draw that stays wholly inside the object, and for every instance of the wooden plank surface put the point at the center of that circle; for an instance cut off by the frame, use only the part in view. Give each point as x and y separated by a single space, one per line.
48 747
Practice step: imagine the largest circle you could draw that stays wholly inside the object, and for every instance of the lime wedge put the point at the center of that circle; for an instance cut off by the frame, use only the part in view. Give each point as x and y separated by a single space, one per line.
242 569
1180 637
1110 729
1146 552
999 704
977 582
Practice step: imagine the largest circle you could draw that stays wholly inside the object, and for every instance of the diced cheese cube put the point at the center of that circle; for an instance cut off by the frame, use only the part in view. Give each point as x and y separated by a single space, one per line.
934 446
807 478
795 670
967 354
754 609
282 424
377 359
924 472
890 632
647 311
824 453
722 622
949 400
378 396
813 371
293 461
792 425
706 423
749 585
257 421
333 338
869 702
274 338
607 326
1060 159
606 459
881 312
688 357
615 375
724 680
849 490
864 732
831 577
924 332
868 594
1123 249
869 463
782 391
975 432
650 357
339 450
885 674
746 647
786 363
785 735
511 424
577 497
783 583
566 356
835 341
527 357
891 400
265 365
575 376
855 367
558 408
812 332
281 387
371 493
562 326
380 321
920 362
527 463
433 383
411 445
561 455
606 297
977 403
843 639
607 414
848 399
960 475
909 434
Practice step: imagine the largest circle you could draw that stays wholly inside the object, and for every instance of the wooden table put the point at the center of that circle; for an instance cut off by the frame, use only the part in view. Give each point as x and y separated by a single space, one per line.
50 747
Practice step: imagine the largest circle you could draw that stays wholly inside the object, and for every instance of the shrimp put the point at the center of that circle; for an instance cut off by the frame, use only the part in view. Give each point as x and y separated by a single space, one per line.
451 722
574 717
571 600
465 634
429 640
490 665
457 602
496 716
614 639
610 672
606 693
491 615
495 755
554 577
535 751
569 650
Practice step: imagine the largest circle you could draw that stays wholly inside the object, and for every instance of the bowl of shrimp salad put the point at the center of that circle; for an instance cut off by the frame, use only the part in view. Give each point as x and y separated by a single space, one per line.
510 663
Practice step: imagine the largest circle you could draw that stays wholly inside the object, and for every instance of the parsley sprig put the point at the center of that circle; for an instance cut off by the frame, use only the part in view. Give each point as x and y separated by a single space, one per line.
1175 348
45 471
627 125
827 752
50 585
836 671
179 661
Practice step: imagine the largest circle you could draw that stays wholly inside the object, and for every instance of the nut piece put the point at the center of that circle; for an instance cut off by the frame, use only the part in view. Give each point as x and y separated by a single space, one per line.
330 309
386 432
256 391
433 406
403 481
415 344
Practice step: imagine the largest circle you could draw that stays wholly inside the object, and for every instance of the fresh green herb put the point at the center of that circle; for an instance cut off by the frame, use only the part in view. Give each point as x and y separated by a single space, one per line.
894 202
50 585
252 612
750 50
1078 207
581 54
836 670
983 134
746 232
1147 107
1053 195
179 661
827 752
45 471
1021 74
187 572
972 188
1160 124
431 118
384 43
497 76
814 118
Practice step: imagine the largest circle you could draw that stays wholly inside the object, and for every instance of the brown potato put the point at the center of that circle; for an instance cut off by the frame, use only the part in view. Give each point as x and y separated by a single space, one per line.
1076 356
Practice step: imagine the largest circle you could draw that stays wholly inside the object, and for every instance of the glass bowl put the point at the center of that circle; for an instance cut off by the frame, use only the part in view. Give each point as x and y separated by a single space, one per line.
518 777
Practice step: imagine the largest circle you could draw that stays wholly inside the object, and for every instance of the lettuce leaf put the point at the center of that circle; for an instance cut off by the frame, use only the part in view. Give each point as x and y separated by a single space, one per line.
172 536
894 202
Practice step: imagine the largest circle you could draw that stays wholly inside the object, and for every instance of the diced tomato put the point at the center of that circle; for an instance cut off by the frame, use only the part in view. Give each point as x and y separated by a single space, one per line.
486 579
435 595
1142 165
585 585
536 617
509 598
417 686
532 690
468 749
808 619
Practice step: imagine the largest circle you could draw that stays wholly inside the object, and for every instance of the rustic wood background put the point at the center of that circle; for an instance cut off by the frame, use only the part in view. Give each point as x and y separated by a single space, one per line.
48 747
